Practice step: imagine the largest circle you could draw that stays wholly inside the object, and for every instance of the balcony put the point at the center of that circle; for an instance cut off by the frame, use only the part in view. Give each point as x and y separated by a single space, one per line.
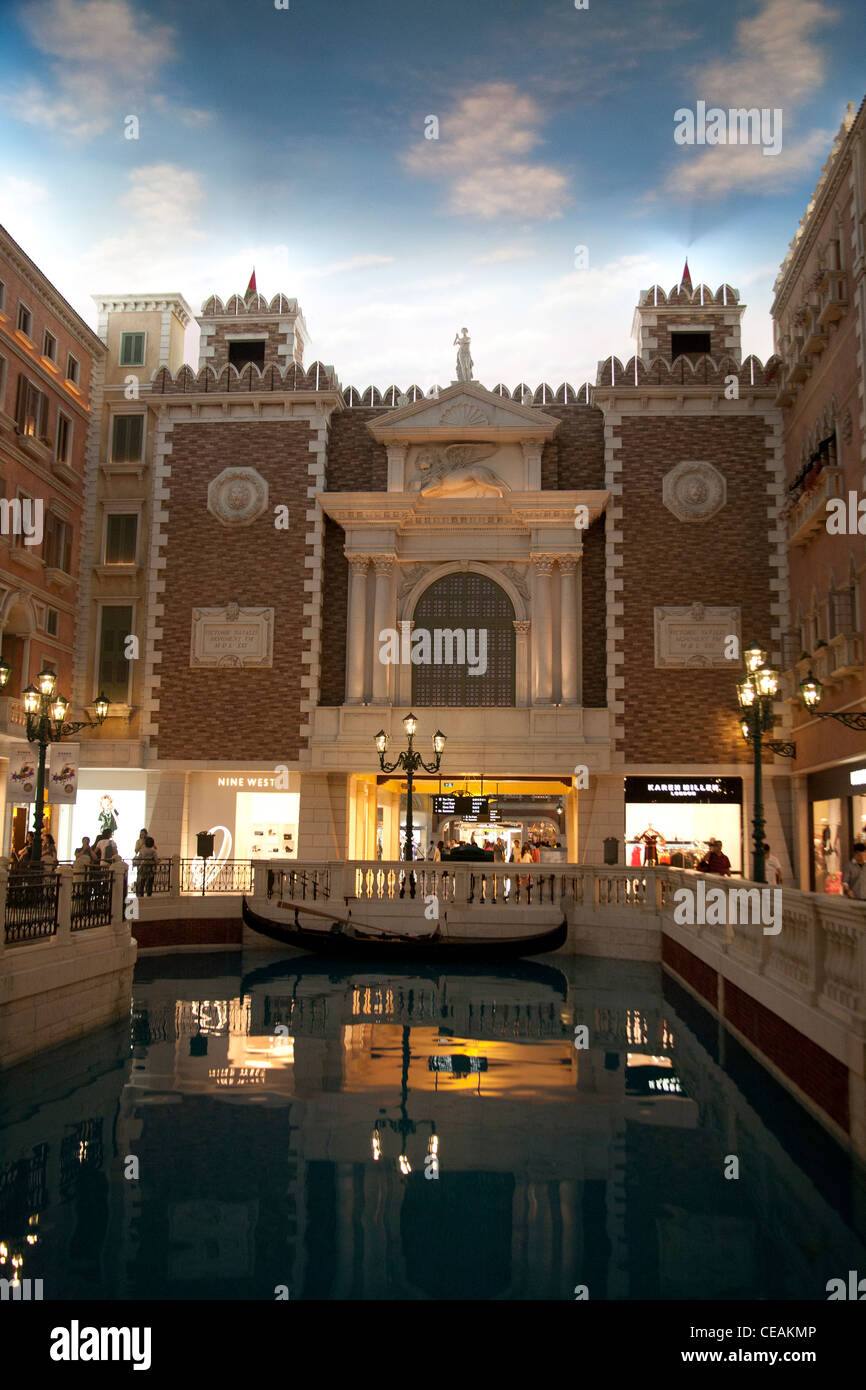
40 449
12 719
785 395
810 511
799 370
822 664
816 337
834 300
846 654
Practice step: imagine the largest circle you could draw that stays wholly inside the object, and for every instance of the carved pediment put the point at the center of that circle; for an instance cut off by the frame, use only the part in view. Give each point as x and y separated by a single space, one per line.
467 411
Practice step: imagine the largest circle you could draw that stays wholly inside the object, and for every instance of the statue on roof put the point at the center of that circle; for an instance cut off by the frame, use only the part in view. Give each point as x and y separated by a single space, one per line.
464 360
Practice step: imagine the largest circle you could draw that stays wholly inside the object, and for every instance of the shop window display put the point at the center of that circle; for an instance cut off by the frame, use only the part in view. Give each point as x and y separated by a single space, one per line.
827 845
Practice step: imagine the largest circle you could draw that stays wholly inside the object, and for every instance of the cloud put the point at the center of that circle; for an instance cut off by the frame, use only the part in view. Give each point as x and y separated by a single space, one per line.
719 170
777 64
362 262
502 254
104 58
161 210
481 154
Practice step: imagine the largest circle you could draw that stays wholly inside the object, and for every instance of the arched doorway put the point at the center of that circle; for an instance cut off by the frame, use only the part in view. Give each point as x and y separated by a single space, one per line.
475 606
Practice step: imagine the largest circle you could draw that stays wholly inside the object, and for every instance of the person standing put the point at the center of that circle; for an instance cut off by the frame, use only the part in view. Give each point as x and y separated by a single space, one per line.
854 874
715 862
147 860
772 866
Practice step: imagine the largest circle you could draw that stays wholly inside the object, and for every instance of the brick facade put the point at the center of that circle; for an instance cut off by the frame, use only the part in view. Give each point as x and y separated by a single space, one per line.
252 714
687 715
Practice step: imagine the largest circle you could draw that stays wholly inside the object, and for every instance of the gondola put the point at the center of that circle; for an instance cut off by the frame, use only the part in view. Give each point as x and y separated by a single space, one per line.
348 940
335 971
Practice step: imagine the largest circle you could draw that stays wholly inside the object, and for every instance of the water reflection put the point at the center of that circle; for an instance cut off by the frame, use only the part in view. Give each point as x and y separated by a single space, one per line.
411 1135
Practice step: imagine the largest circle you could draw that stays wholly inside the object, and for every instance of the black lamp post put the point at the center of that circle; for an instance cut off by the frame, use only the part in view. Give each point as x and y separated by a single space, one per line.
410 761
46 723
756 695
811 691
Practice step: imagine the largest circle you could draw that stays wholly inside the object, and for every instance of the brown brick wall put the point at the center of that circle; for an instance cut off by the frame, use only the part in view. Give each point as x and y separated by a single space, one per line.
695 319
574 458
246 713
594 633
332 690
199 931
702 978
356 462
269 331
820 1076
689 714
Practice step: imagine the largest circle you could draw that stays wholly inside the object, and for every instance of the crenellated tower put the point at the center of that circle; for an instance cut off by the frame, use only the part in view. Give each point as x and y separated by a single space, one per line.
249 329
688 321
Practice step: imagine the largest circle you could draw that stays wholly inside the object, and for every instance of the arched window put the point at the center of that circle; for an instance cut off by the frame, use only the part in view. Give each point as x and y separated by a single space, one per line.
473 618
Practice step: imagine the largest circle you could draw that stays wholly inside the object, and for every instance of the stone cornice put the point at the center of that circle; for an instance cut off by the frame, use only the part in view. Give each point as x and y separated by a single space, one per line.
144 304
52 297
831 176
409 511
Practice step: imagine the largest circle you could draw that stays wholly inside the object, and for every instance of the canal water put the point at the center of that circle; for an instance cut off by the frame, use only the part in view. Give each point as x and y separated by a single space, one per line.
264 1128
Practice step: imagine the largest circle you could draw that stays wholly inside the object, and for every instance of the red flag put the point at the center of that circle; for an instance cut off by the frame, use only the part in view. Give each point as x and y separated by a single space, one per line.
251 287
685 282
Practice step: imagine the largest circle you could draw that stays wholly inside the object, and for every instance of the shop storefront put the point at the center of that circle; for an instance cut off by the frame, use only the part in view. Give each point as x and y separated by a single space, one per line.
837 819
107 799
253 815
671 820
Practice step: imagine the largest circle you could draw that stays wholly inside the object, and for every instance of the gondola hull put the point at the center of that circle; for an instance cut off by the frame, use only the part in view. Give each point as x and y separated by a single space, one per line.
441 949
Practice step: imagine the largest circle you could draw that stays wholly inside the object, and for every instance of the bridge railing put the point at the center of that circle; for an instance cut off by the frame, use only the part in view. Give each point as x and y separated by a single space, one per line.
45 905
812 944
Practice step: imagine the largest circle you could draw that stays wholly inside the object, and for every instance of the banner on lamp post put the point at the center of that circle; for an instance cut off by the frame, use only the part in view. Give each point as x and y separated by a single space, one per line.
61 780
21 777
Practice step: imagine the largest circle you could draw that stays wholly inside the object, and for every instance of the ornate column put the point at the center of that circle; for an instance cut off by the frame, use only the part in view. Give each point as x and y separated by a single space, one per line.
521 662
382 618
532 459
397 465
542 630
356 629
568 635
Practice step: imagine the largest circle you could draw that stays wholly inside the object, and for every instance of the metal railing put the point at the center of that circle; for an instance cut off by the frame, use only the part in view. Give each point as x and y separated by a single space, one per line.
216 876
91 900
153 878
31 906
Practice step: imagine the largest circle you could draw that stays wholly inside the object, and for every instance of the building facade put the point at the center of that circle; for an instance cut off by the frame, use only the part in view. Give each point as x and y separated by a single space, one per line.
50 370
560 580
819 316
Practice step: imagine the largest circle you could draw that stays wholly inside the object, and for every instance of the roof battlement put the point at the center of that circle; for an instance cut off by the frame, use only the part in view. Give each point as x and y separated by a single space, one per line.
684 296
253 305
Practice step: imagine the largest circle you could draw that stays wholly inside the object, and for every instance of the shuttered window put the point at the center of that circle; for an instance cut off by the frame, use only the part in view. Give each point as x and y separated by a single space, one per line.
466 603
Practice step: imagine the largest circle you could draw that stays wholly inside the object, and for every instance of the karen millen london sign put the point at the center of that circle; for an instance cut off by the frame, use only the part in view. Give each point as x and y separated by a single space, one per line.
232 636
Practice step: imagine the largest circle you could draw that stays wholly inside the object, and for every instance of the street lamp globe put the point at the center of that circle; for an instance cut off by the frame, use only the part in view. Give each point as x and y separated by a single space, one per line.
31 700
755 657
410 724
745 730
5 673
768 681
747 693
101 704
46 682
439 741
811 691
381 741
59 708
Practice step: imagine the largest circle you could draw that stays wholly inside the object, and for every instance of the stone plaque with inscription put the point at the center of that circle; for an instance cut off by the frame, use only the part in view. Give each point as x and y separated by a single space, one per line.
232 636
696 636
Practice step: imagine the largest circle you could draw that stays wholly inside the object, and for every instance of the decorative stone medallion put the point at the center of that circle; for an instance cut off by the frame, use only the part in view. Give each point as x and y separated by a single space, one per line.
694 635
232 636
237 496
694 491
